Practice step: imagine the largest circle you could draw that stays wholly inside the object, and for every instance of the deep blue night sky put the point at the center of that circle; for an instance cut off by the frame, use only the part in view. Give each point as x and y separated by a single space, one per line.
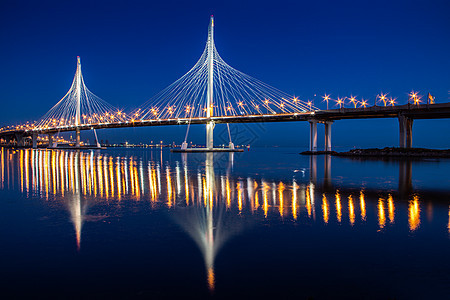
130 50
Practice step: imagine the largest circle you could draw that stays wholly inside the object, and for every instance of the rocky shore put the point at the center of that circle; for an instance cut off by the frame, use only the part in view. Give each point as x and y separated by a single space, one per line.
396 152
387 152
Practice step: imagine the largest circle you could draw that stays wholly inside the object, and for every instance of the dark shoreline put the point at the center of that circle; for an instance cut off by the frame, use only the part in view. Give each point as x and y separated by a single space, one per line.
388 152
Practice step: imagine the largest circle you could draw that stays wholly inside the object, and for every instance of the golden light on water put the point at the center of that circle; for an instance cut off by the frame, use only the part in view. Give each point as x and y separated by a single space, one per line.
362 204
294 200
240 191
186 185
338 206
381 214
308 201
107 177
265 190
325 209
93 176
391 209
169 187
256 201
119 180
351 210
89 178
281 199
414 213
211 279
228 192
448 226
21 171
203 188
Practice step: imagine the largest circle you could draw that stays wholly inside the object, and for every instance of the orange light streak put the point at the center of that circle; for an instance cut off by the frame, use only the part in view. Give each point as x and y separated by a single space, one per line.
338 206
294 200
186 185
362 204
381 214
228 193
414 214
239 190
351 210
169 187
281 198
111 176
391 209
325 208
265 198
308 202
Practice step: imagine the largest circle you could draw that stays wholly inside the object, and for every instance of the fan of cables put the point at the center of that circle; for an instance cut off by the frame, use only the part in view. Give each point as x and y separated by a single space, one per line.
80 107
234 94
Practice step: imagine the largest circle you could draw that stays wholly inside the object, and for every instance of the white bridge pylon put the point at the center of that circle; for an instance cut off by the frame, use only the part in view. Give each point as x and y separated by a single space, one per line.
213 88
79 107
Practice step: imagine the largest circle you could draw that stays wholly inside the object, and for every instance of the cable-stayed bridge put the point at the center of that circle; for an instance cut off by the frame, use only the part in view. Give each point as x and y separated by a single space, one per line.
212 92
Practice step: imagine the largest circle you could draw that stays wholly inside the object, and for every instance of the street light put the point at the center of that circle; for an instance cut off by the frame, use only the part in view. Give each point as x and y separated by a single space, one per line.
415 97
363 103
340 101
326 98
392 101
383 98
353 100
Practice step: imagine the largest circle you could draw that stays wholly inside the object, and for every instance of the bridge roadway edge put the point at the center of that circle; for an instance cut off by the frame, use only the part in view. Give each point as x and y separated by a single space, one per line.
423 111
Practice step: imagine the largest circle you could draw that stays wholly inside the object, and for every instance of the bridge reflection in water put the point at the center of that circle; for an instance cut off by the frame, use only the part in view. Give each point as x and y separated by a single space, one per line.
201 196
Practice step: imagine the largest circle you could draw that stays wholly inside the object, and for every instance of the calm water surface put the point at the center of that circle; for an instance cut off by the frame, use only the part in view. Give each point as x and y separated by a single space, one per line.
135 223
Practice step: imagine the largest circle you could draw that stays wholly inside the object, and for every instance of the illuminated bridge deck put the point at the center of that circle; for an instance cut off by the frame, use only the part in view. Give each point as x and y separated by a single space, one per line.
424 111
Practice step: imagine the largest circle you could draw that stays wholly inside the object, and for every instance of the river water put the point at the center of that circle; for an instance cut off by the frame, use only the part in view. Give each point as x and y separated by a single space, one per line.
148 223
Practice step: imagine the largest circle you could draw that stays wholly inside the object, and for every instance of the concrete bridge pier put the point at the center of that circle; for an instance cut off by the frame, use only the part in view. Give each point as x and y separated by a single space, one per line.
34 137
405 135
210 135
328 135
313 135
50 140
78 137
409 124
19 139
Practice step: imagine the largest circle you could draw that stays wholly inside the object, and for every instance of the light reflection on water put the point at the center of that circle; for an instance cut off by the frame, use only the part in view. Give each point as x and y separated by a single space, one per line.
103 177
200 196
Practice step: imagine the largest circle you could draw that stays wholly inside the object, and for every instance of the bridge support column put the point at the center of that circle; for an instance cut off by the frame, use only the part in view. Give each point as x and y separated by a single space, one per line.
405 134
34 140
210 135
313 135
20 140
328 135
78 138
402 136
50 140
409 124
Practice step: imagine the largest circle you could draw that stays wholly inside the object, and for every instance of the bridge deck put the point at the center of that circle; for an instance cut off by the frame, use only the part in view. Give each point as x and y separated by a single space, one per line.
424 111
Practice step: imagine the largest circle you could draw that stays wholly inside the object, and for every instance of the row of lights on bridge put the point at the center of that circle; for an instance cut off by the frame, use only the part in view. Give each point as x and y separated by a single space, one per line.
413 97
